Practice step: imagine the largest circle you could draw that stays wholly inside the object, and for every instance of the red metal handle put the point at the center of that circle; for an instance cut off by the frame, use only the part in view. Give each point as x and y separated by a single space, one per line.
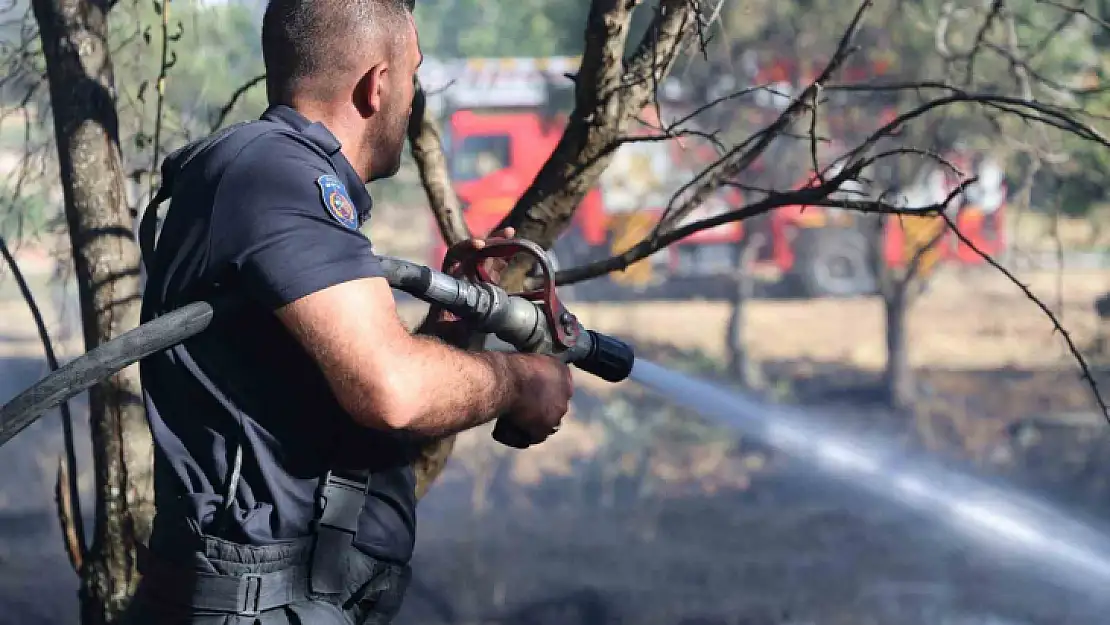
472 266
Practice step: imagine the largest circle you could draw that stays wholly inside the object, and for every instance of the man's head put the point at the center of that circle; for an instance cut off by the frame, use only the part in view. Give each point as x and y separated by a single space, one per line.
353 61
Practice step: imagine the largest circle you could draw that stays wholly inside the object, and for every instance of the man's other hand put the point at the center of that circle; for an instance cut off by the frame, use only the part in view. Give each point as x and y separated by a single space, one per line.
494 266
443 324
546 388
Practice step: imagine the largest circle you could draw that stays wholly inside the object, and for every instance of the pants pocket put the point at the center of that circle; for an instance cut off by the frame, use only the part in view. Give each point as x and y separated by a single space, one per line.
379 599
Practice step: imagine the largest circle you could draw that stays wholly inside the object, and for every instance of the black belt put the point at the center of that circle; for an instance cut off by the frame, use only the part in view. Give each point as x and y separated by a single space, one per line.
244 595
322 574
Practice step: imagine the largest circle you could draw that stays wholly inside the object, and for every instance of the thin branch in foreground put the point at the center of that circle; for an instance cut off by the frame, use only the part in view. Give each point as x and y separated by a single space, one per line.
168 60
1084 368
74 530
69 514
236 95
739 159
431 164
816 195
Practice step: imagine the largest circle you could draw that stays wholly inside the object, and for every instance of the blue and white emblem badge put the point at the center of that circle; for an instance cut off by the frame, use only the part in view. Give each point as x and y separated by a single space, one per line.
336 200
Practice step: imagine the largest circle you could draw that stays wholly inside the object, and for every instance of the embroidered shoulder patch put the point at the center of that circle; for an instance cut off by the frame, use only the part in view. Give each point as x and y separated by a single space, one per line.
336 200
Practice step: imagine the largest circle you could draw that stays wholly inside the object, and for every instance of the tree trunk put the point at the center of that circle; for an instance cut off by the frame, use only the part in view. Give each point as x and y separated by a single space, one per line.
427 150
898 379
741 364
79 68
610 93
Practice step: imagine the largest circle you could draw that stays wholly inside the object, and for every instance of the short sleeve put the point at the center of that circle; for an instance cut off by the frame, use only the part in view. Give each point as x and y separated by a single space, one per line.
271 223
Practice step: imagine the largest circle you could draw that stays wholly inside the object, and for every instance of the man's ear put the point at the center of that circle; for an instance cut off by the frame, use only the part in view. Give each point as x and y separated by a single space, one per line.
371 89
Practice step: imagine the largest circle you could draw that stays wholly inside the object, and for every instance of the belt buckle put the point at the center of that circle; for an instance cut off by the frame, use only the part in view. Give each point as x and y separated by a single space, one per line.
250 594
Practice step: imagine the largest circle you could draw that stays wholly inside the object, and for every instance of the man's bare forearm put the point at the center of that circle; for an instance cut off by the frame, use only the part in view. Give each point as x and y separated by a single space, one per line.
429 389
391 379
447 390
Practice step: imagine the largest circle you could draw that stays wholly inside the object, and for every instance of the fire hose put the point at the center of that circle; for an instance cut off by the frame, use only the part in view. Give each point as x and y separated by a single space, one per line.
533 320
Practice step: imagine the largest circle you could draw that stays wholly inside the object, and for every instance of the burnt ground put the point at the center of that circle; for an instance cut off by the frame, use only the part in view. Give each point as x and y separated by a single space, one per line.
797 556
37 583
773 546
781 547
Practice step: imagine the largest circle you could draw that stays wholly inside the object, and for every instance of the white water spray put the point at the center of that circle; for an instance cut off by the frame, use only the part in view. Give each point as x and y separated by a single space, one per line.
993 515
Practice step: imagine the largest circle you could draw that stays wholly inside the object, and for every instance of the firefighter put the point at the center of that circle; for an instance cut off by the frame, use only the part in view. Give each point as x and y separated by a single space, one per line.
284 434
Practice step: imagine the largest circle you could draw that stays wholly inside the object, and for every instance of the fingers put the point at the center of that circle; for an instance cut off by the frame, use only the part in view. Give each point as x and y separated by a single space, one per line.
475 244
504 233
517 437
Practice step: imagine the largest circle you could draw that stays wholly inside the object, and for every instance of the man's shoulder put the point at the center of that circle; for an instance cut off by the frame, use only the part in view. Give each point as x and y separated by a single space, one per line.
269 149
264 166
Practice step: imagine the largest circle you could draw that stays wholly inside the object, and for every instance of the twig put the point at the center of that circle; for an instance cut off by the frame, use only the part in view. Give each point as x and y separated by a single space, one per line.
236 95
809 196
168 60
427 151
69 515
74 531
739 159
1086 371
980 37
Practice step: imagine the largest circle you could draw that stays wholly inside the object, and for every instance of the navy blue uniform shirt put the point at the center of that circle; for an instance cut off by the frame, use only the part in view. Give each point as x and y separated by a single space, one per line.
271 217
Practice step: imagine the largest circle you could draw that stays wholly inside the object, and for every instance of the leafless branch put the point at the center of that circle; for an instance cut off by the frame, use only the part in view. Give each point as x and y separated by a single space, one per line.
980 37
427 150
1056 324
609 94
1076 10
816 195
168 59
236 95
69 515
695 192
1023 106
69 498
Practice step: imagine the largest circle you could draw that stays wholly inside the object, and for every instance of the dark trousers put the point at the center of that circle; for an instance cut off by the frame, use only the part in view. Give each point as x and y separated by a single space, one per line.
209 581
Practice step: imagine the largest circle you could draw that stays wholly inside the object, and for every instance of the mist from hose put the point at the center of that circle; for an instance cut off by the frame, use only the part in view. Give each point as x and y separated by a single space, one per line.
994 516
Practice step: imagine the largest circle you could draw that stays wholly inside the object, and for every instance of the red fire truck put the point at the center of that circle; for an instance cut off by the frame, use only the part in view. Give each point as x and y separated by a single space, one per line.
502 119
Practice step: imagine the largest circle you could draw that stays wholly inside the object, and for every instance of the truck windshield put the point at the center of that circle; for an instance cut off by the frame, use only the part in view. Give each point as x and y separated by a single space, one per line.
476 156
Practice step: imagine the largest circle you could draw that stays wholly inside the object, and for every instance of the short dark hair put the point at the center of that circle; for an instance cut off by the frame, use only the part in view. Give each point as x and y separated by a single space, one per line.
306 43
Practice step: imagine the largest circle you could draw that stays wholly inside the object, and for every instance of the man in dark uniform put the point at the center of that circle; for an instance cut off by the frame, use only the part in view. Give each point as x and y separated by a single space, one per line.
284 434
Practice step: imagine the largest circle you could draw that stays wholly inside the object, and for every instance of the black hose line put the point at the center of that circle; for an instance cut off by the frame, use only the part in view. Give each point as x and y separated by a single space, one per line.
597 354
101 363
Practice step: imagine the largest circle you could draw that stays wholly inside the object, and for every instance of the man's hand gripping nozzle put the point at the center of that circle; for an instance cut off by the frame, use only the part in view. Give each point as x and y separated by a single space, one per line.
532 320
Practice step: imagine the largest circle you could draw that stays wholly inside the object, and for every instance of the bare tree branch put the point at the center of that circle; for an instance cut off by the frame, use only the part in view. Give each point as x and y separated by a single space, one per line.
980 37
69 513
1024 107
697 190
1076 10
236 95
817 195
168 59
607 99
427 150
1056 324
73 527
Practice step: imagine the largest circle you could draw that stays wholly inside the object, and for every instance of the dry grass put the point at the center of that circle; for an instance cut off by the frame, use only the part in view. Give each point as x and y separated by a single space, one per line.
977 321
